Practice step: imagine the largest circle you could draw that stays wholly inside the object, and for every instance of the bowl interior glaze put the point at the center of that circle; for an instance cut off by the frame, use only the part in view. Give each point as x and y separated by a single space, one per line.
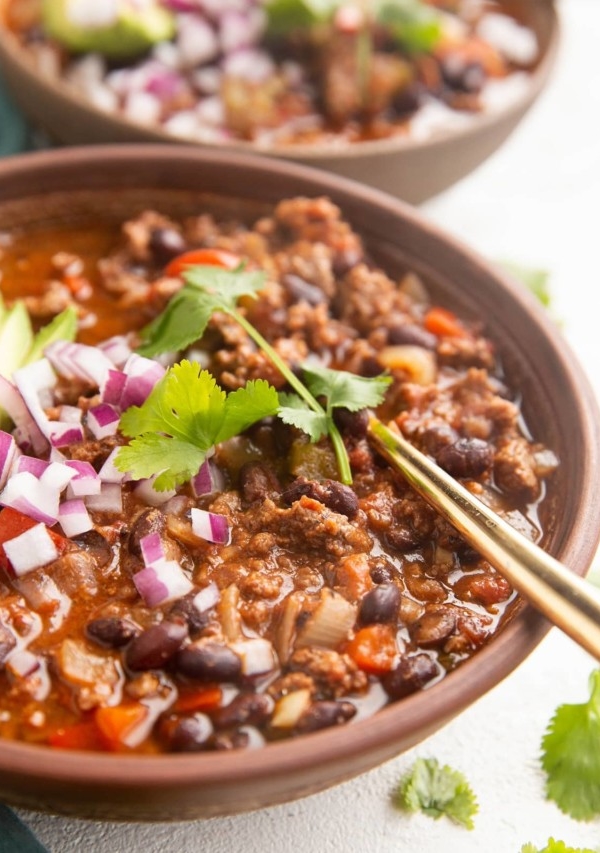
116 181
411 169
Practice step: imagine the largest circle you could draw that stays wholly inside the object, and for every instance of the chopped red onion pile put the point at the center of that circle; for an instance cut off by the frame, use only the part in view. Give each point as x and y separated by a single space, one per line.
52 489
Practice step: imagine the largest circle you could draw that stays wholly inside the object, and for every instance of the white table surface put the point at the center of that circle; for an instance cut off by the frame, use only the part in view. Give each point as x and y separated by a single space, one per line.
536 202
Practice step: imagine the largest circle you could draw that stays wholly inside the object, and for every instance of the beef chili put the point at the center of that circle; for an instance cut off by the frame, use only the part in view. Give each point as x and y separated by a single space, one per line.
285 72
263 597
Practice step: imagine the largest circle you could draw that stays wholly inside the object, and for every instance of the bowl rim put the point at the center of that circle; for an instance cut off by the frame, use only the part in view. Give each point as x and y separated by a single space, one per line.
423 711
11 50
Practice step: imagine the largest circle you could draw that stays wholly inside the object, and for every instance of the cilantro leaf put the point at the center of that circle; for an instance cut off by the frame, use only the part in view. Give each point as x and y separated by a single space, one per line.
554 847
345 390
295 412
207 289
571 756
184 416
171 460
536 280
414 24
437 791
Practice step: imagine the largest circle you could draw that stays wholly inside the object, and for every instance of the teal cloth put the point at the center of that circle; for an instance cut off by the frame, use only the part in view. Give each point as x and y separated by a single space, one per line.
15 136
14 835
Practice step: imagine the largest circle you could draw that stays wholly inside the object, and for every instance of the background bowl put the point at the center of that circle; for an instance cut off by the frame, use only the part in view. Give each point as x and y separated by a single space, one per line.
116 181
410 169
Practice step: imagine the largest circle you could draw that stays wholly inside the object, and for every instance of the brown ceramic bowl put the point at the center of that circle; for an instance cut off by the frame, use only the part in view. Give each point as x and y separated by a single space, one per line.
412 170
115 181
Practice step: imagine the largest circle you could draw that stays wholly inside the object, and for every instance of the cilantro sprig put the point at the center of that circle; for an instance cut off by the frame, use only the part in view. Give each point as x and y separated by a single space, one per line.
437 790
571 756
555 847
208 290
184 416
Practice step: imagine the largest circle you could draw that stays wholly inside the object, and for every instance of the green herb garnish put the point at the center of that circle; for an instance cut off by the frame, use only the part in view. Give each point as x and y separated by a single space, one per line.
184 417
571 756
555 847
437 791
209 289
536 280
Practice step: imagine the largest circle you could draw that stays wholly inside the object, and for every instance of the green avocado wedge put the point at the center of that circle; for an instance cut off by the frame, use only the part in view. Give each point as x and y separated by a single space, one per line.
127 30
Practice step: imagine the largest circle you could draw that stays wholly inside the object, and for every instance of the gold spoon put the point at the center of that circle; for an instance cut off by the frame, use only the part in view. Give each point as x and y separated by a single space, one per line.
566 599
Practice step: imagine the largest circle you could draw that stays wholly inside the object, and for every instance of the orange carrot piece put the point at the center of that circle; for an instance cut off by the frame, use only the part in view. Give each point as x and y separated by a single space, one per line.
202 257
84 735
117 722
444 323
374 649
205 699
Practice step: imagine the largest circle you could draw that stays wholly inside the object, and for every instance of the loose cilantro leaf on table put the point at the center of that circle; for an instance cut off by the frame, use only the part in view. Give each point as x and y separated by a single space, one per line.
536 280
555 847
437 791
185 415
571 756
209 289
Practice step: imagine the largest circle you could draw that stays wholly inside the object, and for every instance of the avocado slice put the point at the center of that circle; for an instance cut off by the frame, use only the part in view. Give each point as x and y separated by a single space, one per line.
118 29
16 338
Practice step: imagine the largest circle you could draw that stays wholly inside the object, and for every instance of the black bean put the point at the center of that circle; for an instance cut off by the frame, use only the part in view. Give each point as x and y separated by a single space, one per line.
231 740
185 609
155 646
252 709
112 632
411 674
437 436
413 335
96 545
433 628
336 496
147 522
461 75
322 715
353 423
382 573
7 643
257 482
190 734
380 604
301 290
467 457
208 662
346 258
165 244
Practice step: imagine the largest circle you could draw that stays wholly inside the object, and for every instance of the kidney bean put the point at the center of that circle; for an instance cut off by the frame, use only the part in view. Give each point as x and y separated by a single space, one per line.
433 628
165 244
257 482
467 457
380 604
409 333
155 646
411 674
208 662
322 715
112 632
190 734
252 709
336 496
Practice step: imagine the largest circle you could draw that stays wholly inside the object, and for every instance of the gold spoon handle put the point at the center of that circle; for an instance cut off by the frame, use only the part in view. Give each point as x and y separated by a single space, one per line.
567 600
